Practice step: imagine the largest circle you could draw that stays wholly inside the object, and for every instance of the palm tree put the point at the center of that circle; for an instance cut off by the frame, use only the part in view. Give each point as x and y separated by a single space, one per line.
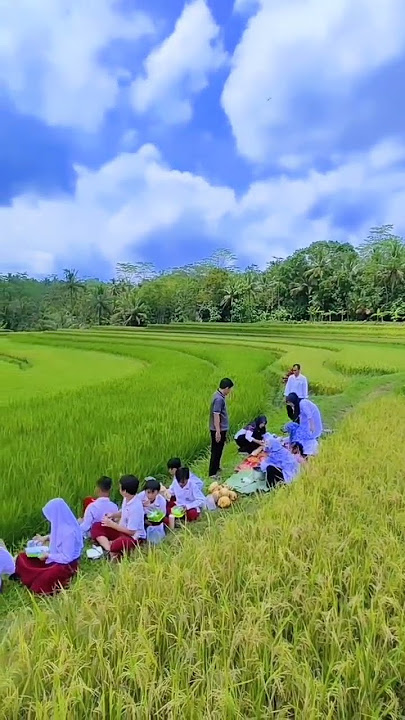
319 262
101 302
250 287
231 296
275 286
301 288
72 284
393 269
130 310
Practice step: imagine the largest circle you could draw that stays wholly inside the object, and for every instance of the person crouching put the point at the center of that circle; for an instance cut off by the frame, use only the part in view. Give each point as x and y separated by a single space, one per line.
187 494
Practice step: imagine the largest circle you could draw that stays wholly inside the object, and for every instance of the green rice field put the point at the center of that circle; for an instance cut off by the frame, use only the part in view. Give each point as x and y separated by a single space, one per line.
290 605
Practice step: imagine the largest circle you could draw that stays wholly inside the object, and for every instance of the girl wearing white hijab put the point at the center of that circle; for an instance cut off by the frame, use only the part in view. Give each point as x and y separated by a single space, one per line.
7 565
55 568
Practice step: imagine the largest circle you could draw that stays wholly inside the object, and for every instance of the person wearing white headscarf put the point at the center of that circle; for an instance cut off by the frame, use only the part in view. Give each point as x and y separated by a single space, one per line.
59 563
7 565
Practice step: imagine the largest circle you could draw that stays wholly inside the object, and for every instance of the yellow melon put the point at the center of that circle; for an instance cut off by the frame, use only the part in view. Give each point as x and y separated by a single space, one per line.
233 495
224 502
215 495
213 486
224 492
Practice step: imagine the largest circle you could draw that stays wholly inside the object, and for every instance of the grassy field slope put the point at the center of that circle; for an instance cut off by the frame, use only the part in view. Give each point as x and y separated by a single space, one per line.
287 606
294 609
60 442
35 371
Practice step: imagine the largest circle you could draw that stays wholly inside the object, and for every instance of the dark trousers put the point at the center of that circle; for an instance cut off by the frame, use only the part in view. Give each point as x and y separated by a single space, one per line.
245 446
274 476
216 452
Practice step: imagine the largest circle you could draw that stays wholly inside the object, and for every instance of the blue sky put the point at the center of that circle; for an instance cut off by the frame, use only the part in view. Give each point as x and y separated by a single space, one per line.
143 129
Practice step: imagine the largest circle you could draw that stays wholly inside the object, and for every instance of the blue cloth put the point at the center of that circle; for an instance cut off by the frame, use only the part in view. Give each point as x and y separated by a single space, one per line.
301 434
278 456
294 432
309 412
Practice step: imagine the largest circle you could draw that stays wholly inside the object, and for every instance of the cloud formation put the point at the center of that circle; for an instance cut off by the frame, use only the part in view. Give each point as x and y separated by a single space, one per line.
118 207
283 177
180 67
50 57
308 56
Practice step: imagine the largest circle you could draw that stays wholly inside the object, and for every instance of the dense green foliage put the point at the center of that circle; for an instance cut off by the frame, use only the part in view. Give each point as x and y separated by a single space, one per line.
326 281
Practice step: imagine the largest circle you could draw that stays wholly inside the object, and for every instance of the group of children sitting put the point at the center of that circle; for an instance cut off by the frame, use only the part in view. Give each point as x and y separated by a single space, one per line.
50 562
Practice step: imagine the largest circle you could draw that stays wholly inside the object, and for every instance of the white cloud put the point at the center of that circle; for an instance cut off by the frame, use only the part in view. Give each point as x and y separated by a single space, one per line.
118 207
50 57
292 48
180 66
115 208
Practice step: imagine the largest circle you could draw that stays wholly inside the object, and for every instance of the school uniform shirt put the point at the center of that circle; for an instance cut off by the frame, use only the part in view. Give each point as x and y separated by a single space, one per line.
158 504
96 511
132 516
189 496
197 481
297 385
154 533
247 434
301 434
310 412
278 456
251 433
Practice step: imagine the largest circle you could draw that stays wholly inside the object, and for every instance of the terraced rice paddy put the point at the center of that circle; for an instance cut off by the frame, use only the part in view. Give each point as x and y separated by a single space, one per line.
289 606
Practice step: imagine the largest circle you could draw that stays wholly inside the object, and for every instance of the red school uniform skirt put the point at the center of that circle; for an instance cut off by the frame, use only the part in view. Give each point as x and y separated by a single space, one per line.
121 544
191 515
42 578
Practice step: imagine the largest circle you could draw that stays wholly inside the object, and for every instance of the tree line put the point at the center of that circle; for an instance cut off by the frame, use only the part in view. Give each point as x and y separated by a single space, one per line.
328 280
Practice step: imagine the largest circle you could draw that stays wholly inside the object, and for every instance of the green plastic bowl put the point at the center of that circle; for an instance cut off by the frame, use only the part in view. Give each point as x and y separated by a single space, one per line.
156 517
178 511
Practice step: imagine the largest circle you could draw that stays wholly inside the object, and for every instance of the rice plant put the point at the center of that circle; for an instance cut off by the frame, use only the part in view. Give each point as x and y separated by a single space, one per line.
289 606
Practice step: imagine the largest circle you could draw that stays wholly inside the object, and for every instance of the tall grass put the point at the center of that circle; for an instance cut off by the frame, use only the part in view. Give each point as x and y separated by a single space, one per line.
59 445
291 609
32 371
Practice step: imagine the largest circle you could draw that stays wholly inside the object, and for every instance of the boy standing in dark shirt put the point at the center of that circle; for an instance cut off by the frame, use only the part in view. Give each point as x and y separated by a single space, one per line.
219 424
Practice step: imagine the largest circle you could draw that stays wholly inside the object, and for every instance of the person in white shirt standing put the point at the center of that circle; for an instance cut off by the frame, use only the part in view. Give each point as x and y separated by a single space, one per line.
297 383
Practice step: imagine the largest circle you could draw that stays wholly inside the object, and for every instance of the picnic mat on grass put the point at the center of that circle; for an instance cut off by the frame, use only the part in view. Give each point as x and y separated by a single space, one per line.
247 482
250 462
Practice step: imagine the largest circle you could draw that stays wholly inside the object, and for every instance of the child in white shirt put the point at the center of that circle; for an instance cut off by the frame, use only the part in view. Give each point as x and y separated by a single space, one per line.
152 500
121 532
101 506
187 494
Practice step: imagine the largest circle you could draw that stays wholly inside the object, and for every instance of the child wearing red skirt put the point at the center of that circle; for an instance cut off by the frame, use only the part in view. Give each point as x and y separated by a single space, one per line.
56 567
121 532
187 493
